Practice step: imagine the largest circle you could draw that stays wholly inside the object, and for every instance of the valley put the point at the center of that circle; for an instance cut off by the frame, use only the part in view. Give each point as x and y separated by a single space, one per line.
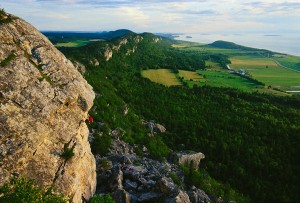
239 122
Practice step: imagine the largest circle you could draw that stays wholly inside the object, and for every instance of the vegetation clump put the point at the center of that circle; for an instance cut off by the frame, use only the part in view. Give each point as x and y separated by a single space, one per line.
23 190
157 148
101 144
102 199
68 152
175 179
215 189
8 59
5 17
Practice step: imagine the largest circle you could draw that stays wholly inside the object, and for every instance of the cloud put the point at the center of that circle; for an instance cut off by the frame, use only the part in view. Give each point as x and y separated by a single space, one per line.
160 15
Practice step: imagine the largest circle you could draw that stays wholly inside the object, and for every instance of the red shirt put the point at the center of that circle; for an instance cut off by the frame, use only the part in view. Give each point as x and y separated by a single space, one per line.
90 118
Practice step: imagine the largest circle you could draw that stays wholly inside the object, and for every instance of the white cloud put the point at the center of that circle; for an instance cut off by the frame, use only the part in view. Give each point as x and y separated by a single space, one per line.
160 15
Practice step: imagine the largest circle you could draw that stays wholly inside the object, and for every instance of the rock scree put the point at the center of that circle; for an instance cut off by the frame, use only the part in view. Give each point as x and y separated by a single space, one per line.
44 102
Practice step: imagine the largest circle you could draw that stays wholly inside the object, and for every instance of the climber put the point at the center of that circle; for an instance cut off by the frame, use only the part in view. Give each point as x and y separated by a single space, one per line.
90 119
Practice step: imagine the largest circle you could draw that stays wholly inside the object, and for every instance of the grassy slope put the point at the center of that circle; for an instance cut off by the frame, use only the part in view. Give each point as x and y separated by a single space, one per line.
289 61
161 76
75 43
191 75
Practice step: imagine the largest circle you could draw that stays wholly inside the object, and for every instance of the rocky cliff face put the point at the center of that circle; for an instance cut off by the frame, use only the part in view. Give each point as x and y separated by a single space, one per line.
43 106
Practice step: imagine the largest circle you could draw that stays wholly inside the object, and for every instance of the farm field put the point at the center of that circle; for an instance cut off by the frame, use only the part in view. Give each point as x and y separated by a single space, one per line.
209 49
162 76
289 61
268 72
226 79
191 75
200 78
75 43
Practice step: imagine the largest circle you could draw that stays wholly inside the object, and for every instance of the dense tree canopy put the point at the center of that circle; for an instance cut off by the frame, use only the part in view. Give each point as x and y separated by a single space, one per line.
250 140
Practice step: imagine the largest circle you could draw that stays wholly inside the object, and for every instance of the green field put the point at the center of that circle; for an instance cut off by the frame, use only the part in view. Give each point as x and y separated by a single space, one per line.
75 43
201 77
191 76
268 72
226 79
162 76
280 71
209 49
289 61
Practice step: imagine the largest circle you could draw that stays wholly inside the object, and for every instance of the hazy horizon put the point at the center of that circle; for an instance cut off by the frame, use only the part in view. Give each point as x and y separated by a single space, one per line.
167 16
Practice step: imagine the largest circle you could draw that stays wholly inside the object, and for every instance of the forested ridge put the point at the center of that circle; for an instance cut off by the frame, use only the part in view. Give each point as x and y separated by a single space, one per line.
250 140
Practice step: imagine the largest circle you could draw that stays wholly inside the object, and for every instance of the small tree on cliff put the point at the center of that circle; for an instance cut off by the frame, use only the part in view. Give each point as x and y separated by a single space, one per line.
24 190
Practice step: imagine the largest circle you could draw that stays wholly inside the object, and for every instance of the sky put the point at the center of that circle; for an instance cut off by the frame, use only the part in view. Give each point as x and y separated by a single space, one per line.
167 16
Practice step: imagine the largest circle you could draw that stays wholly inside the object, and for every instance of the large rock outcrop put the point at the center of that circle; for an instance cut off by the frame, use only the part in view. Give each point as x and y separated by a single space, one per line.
131 178
43 106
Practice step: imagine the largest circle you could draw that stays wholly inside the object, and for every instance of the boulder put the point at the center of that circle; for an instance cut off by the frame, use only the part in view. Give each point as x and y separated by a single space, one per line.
181 197
134 172
187 158
117 133
198 196
166 186
155 128
158 128
121 196
116 178
119 147
150 197
130 185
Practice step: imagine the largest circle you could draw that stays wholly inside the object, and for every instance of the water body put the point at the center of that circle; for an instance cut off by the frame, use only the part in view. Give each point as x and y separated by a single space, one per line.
286 43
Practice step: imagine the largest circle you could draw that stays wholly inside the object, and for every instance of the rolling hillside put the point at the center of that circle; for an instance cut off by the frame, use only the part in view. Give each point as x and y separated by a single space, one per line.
249 139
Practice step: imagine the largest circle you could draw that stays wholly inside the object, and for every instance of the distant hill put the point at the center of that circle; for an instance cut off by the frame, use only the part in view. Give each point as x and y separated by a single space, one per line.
115 34
67 36
230 45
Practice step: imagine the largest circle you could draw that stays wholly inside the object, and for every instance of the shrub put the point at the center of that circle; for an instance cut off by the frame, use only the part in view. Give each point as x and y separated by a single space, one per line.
7 60
23 190
4 17
102 199
101 144
68 152
157 148
175 179
202 180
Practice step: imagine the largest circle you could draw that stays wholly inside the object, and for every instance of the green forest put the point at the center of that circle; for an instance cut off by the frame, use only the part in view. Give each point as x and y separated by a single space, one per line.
250 140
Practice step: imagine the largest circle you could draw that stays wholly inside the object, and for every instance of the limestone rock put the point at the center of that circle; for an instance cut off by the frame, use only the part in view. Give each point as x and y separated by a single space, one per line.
198 196
121 196
44 102
186 158
182 197
158 128
108 54
166 186
150 197
80 67
155 128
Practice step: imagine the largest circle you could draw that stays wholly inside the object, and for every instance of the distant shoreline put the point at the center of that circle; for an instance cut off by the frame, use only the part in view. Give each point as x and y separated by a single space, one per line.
286 44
